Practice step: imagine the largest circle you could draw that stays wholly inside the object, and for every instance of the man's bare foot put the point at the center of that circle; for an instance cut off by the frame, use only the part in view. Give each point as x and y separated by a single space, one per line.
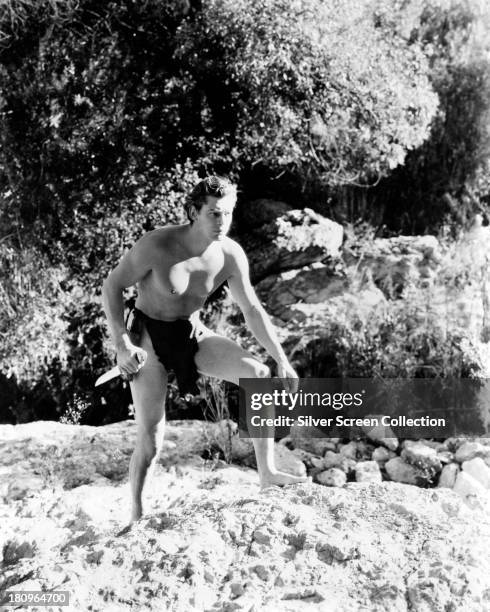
281 479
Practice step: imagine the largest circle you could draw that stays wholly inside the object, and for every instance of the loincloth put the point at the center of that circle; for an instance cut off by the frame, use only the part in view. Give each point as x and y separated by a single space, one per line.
175 345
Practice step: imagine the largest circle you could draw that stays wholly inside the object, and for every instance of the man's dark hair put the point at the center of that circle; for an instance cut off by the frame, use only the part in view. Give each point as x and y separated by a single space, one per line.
210 186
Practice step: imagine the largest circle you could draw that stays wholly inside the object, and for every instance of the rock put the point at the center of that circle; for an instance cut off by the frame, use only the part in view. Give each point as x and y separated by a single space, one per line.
262 572
445 456
420 455
310 460
331 459
13 551
400 471
236 589
293 240
382 455
262 537
310 285
311 440
94 556
365 450
470 450
349 451
332 478
368 471
396 262
468 487
448 475
479 470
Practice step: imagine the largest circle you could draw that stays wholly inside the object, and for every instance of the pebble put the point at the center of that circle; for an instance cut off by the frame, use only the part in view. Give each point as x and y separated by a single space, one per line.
448 475
348 450
262 537
445 456
368 471
400 471
420 455
332 478
262 572
237 589
470 450
337 460
382 455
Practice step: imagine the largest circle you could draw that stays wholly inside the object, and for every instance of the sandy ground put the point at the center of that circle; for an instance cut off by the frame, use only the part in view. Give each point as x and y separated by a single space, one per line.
211 540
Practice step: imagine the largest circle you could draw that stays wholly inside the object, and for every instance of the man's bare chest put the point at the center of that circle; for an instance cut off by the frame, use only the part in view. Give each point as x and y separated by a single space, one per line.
193 276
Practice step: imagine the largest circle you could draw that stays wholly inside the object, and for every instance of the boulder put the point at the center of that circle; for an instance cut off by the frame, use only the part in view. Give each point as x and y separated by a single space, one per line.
292 240
312 284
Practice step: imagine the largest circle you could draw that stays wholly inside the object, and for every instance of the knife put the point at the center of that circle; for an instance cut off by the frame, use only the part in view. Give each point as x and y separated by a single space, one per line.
109 375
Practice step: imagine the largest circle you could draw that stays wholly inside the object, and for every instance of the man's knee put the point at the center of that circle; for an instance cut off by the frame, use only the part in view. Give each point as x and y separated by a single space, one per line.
149 443
261 370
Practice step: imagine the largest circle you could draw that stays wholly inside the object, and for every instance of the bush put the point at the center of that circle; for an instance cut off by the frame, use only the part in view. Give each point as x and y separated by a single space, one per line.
446 179
310 88
433 328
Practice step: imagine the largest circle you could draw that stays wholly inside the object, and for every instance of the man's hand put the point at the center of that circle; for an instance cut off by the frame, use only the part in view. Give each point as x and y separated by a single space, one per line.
130 360
286 371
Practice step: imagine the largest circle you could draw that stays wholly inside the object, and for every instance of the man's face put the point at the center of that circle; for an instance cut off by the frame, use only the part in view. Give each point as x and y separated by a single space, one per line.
214 218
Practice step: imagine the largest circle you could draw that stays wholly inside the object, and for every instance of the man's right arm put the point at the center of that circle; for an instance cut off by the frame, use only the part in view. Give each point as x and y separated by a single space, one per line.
134 266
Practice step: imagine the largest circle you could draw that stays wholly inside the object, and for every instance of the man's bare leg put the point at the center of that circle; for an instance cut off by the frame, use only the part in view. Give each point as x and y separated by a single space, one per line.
222 358
148 389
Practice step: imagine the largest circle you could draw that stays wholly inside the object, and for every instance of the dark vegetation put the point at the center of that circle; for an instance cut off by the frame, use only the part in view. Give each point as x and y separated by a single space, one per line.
109 112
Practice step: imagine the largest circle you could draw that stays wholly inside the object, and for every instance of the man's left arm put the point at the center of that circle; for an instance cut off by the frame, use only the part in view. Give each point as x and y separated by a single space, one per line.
256 318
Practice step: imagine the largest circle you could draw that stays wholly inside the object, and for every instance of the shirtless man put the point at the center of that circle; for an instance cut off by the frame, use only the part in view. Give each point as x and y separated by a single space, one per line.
176 268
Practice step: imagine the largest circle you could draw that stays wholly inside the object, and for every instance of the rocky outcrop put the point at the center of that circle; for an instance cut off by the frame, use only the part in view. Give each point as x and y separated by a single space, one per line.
313 284
396 262
292 240
310 284
211 540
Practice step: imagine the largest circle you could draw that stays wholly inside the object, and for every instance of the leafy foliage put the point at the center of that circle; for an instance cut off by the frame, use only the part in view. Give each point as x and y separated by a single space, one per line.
446 179
309 87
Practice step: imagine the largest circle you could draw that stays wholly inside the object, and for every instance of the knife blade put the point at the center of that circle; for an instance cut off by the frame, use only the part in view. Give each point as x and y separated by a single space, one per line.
109 375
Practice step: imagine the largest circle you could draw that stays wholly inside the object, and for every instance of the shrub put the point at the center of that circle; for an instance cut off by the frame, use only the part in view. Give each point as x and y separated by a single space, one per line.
447 177
311 88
